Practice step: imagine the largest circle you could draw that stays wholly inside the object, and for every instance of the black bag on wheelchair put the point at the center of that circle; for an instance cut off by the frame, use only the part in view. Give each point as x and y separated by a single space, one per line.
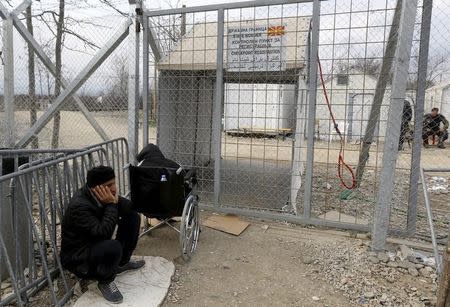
158 187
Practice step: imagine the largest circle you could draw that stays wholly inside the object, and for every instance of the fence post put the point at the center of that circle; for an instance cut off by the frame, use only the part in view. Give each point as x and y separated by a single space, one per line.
443 295
8 58
218 102
314 51
145 80
418 115
133 90
400 76
380 90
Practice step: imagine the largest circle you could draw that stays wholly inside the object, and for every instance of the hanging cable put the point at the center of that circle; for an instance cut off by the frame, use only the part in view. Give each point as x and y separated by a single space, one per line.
341 162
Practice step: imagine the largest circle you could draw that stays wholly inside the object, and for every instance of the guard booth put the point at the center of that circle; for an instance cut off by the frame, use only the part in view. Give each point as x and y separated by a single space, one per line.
259 56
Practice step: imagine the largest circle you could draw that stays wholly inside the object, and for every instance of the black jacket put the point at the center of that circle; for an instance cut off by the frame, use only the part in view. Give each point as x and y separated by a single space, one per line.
85 223
152 156
407 112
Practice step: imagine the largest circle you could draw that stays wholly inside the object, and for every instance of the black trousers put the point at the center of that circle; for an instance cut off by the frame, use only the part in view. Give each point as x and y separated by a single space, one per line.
105 256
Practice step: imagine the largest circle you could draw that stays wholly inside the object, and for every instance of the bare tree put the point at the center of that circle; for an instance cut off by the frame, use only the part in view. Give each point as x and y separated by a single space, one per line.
31 78
45 77
119 88
121 85
438 65
58 69
113 7
64 26
370 66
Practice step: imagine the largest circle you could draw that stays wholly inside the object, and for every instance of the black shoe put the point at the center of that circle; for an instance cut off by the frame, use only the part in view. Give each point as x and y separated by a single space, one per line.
426 145
441 145
110 292
131 265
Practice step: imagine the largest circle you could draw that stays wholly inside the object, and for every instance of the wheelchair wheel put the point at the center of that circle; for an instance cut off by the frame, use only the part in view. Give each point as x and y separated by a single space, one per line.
190 227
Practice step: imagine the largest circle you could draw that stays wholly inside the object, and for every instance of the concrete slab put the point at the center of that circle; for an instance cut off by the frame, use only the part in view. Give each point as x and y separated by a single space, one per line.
336 216
146 287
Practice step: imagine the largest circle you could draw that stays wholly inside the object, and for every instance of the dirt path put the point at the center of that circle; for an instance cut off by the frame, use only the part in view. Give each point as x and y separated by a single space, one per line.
258 268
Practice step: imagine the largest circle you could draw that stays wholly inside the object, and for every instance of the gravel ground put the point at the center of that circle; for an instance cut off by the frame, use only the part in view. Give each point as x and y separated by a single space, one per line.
280 264
287 265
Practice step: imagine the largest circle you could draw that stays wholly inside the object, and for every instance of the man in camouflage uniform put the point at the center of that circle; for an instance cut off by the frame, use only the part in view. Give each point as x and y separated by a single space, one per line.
432 127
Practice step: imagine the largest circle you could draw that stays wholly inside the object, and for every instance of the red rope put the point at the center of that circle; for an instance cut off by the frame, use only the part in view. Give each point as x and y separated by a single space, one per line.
341 162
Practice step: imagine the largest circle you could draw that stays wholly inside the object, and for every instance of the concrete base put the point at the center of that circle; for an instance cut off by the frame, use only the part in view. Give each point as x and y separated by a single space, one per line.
146 287
336 216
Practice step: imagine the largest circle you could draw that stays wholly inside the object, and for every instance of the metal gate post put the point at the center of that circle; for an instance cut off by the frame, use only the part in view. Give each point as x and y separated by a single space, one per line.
390 153
418 114
297 159
145 80
314 51
218 102
8 58
133 90
380 90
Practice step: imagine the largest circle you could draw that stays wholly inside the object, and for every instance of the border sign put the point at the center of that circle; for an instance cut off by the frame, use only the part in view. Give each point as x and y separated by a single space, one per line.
257 48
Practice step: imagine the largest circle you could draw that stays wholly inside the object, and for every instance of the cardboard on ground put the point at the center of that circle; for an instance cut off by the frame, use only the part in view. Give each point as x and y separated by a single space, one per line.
229 223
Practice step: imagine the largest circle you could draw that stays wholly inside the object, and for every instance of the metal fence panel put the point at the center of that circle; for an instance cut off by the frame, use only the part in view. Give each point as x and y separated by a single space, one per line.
98 108
279 148
38 196
239 98
33 201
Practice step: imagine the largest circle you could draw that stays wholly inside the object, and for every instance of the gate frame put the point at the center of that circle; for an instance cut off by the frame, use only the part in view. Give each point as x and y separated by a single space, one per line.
403 42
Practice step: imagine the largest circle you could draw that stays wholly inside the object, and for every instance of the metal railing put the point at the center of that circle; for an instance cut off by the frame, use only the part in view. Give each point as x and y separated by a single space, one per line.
12 159
429 210
34 199
117 152
38 196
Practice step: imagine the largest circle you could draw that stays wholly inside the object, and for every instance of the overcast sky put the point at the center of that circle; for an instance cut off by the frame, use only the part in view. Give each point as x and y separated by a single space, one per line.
100 22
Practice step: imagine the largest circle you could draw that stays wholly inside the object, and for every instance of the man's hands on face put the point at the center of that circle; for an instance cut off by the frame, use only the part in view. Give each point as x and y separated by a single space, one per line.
104 195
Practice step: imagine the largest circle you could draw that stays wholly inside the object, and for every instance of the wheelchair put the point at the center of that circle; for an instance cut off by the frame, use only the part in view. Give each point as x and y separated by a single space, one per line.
164 193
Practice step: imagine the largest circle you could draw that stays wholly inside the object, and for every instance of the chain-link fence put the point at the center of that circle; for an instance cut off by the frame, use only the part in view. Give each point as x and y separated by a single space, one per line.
269 133
98 108
437 95
267 146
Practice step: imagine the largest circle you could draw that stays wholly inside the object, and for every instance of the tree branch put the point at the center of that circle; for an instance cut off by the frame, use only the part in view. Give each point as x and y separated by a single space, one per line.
86 41
110 5
73 21
47 25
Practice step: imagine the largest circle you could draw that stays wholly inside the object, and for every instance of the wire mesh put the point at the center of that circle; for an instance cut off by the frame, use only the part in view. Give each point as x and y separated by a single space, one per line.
265 108
104 95
263 127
